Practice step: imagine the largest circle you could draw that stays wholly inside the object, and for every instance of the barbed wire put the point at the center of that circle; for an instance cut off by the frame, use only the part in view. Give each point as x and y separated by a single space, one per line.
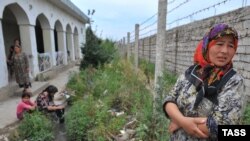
148 19
230 21
148 32
170 2
132 35
178 6
198 11
132 32
150 25
155 14
188 32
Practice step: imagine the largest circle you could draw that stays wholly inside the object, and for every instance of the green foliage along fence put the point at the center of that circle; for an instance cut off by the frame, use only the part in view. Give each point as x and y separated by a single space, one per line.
96 51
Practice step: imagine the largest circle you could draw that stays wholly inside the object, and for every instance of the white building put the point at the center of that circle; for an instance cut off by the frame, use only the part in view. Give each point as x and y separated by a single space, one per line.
51 33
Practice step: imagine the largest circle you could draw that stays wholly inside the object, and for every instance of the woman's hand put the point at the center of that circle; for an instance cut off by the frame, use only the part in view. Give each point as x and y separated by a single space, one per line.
203 126
60 107
190 125
51 108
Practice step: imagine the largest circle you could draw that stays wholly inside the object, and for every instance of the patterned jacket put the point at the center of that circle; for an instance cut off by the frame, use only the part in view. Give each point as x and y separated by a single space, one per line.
43 102
230 108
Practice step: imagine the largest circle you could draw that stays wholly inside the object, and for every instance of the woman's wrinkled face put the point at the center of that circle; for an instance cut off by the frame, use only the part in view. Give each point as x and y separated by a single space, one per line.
222 52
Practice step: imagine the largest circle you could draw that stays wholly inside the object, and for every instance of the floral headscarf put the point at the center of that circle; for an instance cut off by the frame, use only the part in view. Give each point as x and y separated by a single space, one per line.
201 53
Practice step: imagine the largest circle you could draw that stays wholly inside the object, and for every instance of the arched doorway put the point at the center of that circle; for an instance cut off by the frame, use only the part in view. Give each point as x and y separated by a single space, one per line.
13 16
59 43
44 45
39 37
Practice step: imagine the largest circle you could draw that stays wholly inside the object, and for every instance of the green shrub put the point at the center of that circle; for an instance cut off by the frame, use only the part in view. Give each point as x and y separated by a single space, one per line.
143 109
34 127
108 50
79 119
96 51
148 68
77 82
166 83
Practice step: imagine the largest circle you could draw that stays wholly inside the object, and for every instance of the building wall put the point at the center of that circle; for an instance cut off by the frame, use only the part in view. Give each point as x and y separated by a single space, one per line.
26 13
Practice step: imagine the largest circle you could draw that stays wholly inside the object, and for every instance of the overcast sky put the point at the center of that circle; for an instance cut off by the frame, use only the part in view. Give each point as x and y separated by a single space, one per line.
114 18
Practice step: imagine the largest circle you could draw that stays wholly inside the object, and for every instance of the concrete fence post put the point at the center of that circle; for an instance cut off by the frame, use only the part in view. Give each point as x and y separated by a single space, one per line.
124 47
128 46
149 49
143 48
136 45
160 40
120 47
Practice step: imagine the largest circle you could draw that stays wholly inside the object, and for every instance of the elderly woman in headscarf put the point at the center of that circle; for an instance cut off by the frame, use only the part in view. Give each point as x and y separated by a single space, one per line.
210 92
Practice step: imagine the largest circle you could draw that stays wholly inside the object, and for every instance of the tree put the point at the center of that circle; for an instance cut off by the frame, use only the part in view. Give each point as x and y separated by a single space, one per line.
96 51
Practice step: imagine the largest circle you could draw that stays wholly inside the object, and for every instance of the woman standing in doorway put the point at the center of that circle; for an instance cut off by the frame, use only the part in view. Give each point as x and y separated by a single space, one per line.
10 56
21 67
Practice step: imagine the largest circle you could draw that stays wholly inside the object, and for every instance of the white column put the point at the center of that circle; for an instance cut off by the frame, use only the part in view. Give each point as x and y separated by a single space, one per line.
77 48
62 45
72 50
70 45
49 44
82 39
28 40
3 65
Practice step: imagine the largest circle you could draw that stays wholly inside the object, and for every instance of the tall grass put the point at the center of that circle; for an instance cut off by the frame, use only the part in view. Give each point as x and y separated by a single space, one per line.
148 68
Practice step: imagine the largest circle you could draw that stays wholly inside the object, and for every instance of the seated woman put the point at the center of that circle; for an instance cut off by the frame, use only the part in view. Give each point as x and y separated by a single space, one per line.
45 103
25 105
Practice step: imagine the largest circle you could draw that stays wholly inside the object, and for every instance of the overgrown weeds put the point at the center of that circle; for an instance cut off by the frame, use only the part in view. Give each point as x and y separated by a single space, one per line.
115 88
148 68
34 127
